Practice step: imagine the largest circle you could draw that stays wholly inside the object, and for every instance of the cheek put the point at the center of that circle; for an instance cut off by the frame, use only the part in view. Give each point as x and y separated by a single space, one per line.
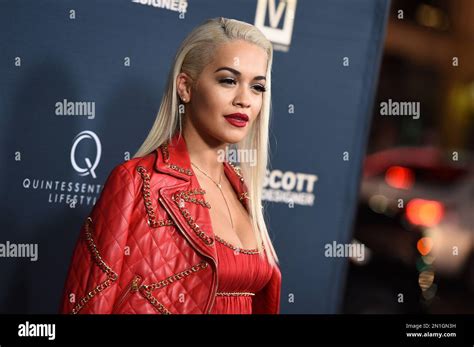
220 99
212 99
258 105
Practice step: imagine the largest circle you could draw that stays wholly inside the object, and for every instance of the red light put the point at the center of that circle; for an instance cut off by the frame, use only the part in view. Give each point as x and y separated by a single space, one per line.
399 177
424 245
424 212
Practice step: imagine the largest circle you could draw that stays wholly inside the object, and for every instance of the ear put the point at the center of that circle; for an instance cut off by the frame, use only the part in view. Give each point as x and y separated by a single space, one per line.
184 86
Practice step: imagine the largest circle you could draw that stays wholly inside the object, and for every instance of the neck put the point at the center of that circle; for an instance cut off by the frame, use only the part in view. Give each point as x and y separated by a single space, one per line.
204 153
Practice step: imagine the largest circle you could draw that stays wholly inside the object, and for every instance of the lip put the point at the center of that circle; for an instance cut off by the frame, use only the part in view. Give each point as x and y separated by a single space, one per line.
237 119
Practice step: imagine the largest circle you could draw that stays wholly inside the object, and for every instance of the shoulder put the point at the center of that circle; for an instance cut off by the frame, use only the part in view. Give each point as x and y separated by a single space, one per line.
132 166
123 186
130 172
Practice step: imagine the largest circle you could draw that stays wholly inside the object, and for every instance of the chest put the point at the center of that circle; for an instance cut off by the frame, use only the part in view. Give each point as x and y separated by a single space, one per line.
229 217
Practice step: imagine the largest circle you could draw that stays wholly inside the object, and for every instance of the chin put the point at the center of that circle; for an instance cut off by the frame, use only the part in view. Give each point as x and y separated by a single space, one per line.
234 136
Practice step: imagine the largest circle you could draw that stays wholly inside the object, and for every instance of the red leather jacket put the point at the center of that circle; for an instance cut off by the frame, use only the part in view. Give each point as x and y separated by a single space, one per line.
148 245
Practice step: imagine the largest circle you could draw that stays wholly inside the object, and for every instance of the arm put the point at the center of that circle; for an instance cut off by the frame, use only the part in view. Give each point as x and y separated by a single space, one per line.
91 284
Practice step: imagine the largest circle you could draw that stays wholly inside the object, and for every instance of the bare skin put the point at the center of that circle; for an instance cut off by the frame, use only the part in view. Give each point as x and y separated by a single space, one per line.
206 131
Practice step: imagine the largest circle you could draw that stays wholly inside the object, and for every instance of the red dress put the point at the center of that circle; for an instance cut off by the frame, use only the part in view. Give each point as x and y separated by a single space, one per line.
241 274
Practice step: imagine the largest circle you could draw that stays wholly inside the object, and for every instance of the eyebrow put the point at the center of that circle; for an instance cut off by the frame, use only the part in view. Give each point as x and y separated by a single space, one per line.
238 73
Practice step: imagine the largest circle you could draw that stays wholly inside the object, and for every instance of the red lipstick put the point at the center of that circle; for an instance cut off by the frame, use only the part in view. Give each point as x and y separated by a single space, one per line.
237 119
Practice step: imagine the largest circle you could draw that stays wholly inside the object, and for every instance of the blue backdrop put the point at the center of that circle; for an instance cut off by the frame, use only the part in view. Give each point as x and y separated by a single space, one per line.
111 59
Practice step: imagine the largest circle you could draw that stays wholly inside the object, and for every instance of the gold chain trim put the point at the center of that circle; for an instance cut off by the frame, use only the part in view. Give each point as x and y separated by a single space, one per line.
189 219
234 294
152 222
237 249
146 289
166 157
164 222
176 277
164 151
180 169
186 195
238 171
111 275
158 305
244 195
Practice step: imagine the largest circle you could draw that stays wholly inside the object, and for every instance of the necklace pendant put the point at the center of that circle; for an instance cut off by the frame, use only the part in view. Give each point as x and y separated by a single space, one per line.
219 185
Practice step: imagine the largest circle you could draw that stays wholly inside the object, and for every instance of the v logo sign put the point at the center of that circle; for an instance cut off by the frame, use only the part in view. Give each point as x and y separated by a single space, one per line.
275 16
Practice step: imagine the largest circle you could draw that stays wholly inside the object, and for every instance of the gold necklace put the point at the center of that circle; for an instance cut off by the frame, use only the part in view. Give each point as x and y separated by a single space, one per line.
220 189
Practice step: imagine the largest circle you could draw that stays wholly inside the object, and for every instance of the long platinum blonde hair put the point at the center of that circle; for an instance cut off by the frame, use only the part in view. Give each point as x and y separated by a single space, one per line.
195 52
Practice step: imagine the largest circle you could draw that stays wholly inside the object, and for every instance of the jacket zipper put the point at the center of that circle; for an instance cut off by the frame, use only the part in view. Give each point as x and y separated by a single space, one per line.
132 287
214 290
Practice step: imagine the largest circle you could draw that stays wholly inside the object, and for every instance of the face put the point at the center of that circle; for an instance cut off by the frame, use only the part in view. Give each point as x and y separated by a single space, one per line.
225 100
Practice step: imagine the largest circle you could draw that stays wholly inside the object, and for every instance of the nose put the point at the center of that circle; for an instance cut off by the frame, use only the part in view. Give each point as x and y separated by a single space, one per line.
242 98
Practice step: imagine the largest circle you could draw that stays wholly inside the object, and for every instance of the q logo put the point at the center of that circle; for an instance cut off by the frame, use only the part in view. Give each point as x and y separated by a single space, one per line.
90 168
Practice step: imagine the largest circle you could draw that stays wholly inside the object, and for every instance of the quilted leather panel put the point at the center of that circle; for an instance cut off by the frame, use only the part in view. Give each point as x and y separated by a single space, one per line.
110 224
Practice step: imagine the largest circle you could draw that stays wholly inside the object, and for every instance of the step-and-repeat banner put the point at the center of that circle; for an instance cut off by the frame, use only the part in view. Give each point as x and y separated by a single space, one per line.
81 82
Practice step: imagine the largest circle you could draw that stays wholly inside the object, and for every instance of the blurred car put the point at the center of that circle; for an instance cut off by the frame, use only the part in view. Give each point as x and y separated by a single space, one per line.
416 218
429 193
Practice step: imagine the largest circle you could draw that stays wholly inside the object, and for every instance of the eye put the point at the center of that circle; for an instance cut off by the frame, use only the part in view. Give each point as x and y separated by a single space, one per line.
260 88
227 81
230 81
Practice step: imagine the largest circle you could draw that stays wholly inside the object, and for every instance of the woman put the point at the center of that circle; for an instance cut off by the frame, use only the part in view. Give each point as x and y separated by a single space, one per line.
177 229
